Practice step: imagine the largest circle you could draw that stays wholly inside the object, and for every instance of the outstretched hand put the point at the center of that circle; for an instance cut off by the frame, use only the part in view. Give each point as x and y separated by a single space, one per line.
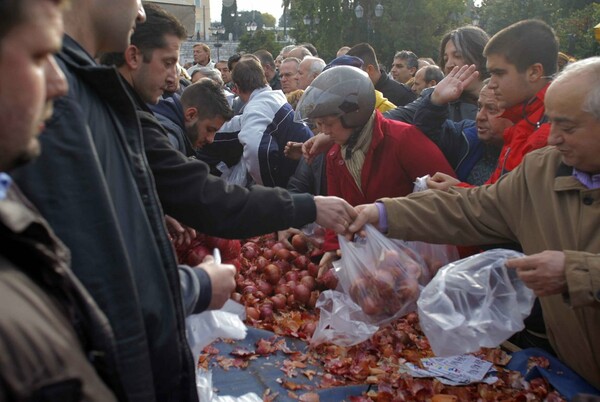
452 86
334 213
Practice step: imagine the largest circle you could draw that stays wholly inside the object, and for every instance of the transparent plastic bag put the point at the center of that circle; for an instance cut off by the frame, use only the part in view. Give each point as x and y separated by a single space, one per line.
380 275
472 303
315 233
435 256
237 174
341 321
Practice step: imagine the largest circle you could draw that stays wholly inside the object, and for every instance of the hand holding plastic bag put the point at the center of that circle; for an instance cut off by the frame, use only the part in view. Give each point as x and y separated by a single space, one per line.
472 303
380 275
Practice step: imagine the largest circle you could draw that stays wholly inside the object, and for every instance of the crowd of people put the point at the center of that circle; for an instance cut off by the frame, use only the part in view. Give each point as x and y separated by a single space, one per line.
110 152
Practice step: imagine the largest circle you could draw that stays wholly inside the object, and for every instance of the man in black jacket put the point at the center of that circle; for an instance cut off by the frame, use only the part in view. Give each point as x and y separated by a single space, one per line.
49 325
191 195
394 91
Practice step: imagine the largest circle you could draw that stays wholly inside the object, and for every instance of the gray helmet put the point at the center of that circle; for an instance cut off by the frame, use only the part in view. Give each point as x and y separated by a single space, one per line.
340 91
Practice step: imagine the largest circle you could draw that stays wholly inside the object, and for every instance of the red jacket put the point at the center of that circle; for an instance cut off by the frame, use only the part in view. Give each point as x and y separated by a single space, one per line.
526 135
398 154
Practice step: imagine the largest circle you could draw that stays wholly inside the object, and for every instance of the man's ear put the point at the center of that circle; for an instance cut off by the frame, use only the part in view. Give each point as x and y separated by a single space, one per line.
190 114
371 69
133 57
413 71
535 72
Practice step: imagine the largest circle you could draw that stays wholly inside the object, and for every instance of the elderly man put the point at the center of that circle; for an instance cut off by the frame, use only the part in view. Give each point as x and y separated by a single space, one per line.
426 77
550 204
308 69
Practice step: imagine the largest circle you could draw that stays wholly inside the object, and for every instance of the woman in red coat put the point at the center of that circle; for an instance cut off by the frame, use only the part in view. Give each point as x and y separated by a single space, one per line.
372 157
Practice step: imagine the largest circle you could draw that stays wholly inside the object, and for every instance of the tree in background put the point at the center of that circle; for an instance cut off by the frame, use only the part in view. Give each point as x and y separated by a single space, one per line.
418 25
415 25
261 39
573 20
576 32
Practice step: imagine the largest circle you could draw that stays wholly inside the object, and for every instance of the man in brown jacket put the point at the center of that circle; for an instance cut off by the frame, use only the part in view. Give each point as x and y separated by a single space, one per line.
53 337
550 204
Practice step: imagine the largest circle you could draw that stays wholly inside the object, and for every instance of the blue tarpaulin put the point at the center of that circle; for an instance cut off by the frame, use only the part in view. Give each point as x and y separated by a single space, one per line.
563 379
262 373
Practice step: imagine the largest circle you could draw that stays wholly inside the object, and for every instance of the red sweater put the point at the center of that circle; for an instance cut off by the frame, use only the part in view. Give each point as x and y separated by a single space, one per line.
398 154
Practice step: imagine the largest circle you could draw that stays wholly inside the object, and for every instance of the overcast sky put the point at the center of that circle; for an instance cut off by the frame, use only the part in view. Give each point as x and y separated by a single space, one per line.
272 7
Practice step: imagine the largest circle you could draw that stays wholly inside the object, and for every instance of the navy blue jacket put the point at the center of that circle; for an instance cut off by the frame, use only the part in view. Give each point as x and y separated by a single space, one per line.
458 141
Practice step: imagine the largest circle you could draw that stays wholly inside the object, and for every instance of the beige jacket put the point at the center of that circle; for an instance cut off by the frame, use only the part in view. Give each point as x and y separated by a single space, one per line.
542 207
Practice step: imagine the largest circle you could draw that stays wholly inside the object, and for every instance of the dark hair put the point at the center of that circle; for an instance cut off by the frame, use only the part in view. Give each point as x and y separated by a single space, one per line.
208 98
411 59
525 43
265 57
311 48
234 58
469 41
248 75
14 12
366 53
433 73
150 35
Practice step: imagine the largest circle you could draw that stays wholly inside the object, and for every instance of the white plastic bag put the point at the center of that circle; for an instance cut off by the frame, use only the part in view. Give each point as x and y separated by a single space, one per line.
202 329
421 184
380 275
472 303
206 394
